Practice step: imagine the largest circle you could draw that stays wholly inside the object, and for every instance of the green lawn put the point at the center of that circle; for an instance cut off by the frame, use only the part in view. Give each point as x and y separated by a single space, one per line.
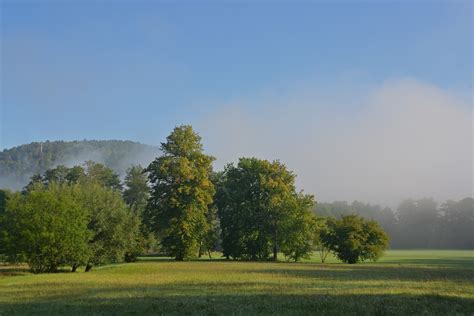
403 282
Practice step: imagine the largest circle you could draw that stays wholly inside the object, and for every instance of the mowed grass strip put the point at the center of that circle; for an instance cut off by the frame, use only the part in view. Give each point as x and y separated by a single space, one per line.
404 282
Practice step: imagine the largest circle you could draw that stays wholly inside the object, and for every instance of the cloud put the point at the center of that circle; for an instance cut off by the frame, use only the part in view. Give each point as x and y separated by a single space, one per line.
402 139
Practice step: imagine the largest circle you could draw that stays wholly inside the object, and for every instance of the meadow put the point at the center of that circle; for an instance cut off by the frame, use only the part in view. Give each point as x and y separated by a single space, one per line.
418 282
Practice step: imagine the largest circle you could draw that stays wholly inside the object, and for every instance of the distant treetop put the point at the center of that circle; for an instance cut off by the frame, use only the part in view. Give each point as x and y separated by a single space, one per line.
18 164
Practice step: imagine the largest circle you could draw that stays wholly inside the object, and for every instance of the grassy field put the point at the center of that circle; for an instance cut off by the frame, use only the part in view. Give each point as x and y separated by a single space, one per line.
403 282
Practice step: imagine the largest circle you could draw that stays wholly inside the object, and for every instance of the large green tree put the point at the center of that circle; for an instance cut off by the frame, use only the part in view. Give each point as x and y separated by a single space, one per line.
181 193
136 194
48 227
257 204
113 227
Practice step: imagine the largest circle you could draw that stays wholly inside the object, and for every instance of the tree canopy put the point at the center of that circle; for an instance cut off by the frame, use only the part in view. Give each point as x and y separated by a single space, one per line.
354 239
257 202
181 192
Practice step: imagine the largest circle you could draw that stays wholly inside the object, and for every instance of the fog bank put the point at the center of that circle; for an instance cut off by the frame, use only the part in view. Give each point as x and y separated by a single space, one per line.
401 139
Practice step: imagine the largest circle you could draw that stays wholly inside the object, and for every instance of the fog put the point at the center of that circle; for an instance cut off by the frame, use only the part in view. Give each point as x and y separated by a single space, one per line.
404 138
118 155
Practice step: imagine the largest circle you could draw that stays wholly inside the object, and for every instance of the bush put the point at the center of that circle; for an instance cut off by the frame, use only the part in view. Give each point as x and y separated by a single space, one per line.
353 239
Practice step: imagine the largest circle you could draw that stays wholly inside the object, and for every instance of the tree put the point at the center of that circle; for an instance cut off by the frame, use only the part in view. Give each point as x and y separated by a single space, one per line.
181 193
320 233
136 192
353 239
457 224
18 164
257 204
99 173
297 232
114 229
91 172
419 222
210 241
375 243
48 227
4 197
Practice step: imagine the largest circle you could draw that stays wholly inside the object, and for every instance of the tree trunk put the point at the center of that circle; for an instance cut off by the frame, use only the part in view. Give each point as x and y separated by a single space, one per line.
88 267
200 250
275 243
209 253
74 268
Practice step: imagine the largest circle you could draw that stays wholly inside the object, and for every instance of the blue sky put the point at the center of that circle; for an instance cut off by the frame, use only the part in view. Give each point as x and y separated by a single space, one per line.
128 70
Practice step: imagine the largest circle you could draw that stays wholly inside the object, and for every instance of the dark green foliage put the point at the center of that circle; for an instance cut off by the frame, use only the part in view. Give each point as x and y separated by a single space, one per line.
137 191
41 222
259 210
136 194
353 239
114 229
4 196
181 193
18 164
90 172
320 229
48 226
102 175
298 229
211 240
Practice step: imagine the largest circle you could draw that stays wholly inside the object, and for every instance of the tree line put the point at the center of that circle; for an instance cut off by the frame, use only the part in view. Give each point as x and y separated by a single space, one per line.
18 164
177 206
415 224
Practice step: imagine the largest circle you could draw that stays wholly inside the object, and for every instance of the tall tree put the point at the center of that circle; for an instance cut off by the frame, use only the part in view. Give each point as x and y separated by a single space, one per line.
256 201
113 227
136 191
181 193
298 228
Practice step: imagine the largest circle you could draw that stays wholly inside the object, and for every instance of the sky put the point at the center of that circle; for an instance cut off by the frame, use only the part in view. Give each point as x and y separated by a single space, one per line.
363 100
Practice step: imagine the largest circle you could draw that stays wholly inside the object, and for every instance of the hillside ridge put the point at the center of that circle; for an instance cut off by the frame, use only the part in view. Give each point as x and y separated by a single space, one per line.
19 163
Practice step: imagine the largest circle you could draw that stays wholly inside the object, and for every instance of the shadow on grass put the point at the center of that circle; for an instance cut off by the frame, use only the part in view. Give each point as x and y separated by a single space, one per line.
454 262
164 300
456 268
374 273
168 259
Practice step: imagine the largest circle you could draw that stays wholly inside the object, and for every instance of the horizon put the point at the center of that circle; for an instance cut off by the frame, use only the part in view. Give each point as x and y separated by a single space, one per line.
350 96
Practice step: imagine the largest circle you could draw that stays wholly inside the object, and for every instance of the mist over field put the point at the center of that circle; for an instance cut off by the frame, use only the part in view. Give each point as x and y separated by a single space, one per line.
404 138
401 139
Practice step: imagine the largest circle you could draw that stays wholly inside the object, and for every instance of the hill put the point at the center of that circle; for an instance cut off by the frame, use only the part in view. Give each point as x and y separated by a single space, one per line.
18 164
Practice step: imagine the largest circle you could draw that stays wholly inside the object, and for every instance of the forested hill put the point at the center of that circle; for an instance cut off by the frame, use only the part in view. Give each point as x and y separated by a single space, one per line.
18 164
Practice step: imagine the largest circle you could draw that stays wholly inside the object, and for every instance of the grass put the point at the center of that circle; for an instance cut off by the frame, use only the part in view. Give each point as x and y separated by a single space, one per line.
403 282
